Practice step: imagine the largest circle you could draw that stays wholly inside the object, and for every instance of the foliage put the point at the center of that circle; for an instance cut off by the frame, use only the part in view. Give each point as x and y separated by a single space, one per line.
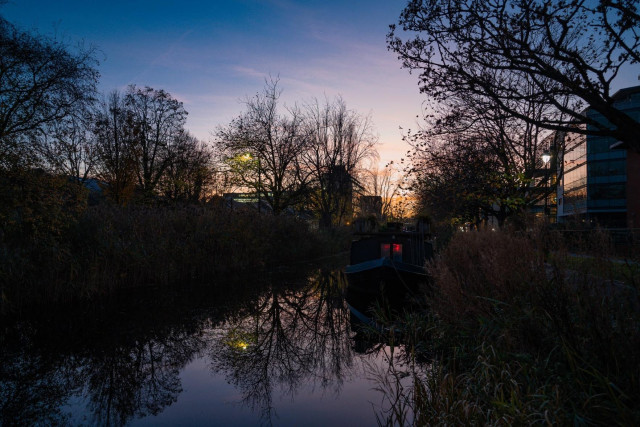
37 213
42 81
273 143
471 161
457 182
116 134
515 340
340 141
562 54
36 206
97 250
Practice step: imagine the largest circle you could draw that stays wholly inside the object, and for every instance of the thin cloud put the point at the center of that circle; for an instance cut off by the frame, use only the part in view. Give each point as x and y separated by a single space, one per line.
249 72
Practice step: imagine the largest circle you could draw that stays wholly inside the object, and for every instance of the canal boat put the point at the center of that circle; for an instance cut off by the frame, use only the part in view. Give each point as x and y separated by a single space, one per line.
390 259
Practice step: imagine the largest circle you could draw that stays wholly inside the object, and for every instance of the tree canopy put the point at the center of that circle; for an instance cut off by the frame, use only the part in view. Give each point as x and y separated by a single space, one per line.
339 142
564 54
309 157
42 81
263 145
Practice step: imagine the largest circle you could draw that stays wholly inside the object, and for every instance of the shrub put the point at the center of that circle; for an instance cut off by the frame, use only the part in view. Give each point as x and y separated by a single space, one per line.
518 340
107 247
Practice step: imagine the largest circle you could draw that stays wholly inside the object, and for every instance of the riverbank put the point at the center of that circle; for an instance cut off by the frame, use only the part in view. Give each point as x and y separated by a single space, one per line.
91 251
512 335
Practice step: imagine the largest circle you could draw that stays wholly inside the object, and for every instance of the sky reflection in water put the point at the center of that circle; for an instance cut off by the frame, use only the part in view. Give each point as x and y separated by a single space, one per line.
284 355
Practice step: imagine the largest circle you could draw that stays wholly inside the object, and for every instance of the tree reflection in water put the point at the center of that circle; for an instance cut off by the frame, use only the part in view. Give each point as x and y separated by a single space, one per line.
294 336
33 388
139 378
123 361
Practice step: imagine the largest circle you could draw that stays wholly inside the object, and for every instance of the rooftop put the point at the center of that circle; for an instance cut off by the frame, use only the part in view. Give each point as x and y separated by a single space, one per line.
623 94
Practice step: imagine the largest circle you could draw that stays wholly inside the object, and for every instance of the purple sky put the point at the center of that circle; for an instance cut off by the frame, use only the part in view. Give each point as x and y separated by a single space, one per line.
211 54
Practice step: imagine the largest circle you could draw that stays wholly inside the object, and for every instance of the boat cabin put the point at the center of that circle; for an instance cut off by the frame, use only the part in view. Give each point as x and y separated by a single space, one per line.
406 247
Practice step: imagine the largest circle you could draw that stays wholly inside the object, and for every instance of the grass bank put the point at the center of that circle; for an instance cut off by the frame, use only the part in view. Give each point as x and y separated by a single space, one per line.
516 332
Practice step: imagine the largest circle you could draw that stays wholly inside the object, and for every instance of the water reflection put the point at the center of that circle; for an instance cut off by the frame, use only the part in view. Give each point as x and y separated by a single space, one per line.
136 378
123 361
294 336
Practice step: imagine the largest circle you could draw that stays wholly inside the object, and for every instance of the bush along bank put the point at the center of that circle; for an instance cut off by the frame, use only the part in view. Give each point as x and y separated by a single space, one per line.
96 250
512 335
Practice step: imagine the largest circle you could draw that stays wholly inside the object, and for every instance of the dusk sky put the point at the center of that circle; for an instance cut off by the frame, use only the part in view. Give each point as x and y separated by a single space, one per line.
211 54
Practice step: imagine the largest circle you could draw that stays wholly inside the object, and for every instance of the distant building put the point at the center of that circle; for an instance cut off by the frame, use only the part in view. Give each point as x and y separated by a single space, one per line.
633 185
600 178
245 201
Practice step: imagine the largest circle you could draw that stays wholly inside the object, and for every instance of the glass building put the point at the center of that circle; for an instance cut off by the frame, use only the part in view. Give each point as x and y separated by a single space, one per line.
593 187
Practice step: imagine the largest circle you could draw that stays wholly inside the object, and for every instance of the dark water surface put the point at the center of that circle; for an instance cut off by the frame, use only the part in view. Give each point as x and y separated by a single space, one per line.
281 351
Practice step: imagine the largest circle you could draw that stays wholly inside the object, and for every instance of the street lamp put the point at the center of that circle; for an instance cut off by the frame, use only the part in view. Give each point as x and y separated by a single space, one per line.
546 157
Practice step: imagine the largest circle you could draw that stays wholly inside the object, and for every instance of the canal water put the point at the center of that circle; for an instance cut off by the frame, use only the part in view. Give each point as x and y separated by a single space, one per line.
284 350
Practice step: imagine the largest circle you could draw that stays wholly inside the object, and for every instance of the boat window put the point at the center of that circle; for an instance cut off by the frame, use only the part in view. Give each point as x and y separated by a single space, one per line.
397 252
394 251
385 250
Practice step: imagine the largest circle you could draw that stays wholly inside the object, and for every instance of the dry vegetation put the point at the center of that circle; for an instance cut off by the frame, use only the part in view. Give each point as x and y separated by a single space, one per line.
516 333
54 247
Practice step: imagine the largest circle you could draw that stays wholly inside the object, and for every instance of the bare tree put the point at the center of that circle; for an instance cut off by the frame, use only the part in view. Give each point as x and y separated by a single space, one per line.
221 180
339 142
455 179
491 161
70 147
563 54
385 184
160 121
191 174
41 82
116 138
264 147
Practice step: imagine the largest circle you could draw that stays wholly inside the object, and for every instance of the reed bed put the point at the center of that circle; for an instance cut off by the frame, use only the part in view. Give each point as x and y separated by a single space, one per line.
516 332
53 247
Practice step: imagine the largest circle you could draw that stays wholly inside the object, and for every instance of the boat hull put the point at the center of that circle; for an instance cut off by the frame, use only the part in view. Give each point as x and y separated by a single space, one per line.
385 275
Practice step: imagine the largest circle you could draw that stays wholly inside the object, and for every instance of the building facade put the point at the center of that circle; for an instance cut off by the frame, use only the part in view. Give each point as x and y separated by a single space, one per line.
598 182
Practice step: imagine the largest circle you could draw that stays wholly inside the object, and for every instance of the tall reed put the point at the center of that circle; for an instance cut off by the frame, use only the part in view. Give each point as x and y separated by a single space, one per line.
108 247
519 334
